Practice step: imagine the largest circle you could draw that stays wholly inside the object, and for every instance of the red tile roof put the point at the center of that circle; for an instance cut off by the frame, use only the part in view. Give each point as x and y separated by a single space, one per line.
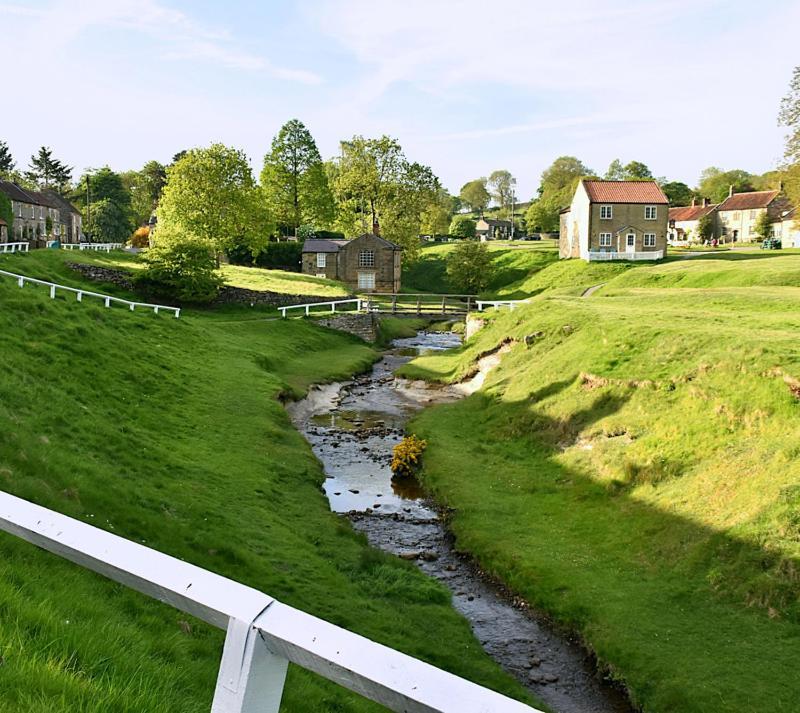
749 201
624 192
689 212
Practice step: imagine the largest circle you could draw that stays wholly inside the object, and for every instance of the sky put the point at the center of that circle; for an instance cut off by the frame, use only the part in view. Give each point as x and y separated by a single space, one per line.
466 86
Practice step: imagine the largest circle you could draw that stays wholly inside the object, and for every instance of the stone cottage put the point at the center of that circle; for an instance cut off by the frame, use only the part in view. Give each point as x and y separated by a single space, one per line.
368 263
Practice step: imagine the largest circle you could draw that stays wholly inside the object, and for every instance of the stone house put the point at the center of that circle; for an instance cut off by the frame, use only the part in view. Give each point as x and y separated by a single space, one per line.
787 228
3 231
491 229
368 263
738 214
40 216
71 219
682 226
615 220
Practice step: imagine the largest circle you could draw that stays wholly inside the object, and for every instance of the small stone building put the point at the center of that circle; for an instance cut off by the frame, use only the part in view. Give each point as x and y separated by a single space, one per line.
368 263
491 229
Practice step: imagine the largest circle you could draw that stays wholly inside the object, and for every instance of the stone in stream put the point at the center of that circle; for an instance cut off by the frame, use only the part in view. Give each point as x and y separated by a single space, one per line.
354 491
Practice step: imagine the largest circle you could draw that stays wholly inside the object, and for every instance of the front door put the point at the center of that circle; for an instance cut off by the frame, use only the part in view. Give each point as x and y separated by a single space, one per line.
630 243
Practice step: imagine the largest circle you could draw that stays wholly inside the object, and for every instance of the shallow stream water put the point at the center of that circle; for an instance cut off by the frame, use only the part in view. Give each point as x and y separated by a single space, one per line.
352 428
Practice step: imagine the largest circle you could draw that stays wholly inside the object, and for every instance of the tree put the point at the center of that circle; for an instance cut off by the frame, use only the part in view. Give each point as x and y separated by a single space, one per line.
462 226
615 171
678 193
636 171
475 196
210 194
108 222
715 183
502 185
294 180
705 227
49 172
789 117
6 160
436 217
144 187
555 191
107 195
6 213
763 225
375 184
469 267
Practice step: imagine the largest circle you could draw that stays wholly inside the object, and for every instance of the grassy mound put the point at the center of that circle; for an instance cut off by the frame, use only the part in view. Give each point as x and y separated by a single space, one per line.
633 469
170 433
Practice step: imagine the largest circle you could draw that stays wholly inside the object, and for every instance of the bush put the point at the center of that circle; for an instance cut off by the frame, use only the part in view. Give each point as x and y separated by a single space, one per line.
140 238
181 267
462 226
470 267
275 256
407 456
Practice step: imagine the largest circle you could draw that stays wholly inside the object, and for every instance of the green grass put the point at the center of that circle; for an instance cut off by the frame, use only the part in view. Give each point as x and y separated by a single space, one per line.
171 433
637 476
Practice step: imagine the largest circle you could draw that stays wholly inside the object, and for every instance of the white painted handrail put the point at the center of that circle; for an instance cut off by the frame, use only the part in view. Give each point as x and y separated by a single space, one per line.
106 247
333 304
79 293
14 247
597 256
511 304
263 635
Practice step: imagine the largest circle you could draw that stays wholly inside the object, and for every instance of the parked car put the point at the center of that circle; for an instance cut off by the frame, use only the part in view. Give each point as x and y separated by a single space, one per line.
771 244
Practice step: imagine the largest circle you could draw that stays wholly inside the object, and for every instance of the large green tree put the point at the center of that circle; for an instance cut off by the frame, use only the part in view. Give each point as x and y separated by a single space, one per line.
436 217
678 193
108 222
555 192
106 194
469 267
475 196
144 187
789 117
6 160
49 172
375 184
501 184
715 183
636 171
295 182
211 195
462 226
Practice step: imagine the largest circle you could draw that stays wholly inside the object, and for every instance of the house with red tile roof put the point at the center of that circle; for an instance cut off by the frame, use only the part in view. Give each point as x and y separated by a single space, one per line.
682 221
615 220
738 214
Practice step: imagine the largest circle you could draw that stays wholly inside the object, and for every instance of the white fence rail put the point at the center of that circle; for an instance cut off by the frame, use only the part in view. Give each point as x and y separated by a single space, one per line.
605 256
14 247
333 304
80 294
511 304
263 635
103 247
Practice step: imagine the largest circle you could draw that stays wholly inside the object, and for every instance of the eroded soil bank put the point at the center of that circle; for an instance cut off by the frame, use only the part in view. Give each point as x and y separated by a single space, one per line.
352 428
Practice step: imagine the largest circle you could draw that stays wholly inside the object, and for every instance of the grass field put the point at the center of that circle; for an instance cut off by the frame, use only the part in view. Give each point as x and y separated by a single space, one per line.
171 433
634 472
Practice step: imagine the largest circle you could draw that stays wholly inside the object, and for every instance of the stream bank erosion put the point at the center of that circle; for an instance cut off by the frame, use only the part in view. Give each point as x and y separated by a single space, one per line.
352 428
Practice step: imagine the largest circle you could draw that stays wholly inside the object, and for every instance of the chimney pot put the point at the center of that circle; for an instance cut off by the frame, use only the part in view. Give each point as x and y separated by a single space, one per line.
694 200
730 190
376 229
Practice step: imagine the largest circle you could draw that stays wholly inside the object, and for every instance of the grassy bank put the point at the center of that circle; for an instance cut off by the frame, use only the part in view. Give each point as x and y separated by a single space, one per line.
634 472
170 432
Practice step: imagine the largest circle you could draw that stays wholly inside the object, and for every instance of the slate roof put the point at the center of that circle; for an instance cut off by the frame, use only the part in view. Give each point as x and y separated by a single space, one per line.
315 245
494 223
60 202
624 192
15 193
44 199
749 201
690 212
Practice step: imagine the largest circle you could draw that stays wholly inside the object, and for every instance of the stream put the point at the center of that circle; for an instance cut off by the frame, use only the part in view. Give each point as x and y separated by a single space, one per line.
352 428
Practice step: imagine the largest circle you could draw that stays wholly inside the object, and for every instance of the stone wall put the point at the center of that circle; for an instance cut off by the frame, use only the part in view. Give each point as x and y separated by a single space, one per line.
97 273
364 326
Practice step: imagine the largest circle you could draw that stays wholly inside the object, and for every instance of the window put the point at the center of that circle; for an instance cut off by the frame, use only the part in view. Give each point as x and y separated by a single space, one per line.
321 259
736 215
366 258
19 210
650 212
366 280
649 240
606 212
605 240
752 215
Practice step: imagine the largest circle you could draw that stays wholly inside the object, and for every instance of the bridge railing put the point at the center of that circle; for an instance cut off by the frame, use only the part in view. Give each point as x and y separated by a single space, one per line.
103 247
80 294
511 304
419 304
21 247
332 305
263 635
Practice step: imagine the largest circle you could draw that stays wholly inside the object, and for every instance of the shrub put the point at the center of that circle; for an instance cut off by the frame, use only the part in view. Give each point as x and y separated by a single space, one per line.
284 255
407 456
462 226
470 267
181 267
140 238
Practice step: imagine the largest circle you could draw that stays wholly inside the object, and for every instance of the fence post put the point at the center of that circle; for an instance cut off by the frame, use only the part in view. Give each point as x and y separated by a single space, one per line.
307 308
394 304
108 302
79 296
419 306
469 302
52 292
251 678
443 305
21 281
333 307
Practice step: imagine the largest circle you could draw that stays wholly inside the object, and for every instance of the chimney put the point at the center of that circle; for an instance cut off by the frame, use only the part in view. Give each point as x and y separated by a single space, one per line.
780 186
694 200
705 202
376 229
730 190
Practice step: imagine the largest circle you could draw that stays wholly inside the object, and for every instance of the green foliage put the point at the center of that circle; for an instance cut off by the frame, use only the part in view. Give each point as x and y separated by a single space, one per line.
678 193
182 267
144 187
283 255
705 227
632 171
210 193
407 456
558 185
6 213
108 222
49 172
294 180
501 184
6 161
763 224
715 183
469 267
436 217
790 118
475 196
462 226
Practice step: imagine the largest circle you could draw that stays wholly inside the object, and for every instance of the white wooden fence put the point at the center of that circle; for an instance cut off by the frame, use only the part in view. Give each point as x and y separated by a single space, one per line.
14 247
333 304
263 635
511 304
103 247
613 255
80 294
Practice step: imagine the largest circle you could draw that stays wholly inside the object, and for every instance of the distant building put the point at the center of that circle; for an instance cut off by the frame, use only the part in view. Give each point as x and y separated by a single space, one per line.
71 219
682 225
3 231
491 229
787 229
368 263
615 220
738 214
31 211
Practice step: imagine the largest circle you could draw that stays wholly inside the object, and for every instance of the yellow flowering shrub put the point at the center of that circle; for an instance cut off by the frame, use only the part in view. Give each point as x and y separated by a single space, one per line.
407 456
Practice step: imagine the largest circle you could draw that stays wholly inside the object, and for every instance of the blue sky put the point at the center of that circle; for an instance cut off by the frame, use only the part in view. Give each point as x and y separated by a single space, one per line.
467 87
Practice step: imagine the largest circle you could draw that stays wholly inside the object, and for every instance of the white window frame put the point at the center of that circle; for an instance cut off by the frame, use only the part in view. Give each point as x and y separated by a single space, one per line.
606 212
649 240
650 212
366 280
606 240
366 258
322 260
